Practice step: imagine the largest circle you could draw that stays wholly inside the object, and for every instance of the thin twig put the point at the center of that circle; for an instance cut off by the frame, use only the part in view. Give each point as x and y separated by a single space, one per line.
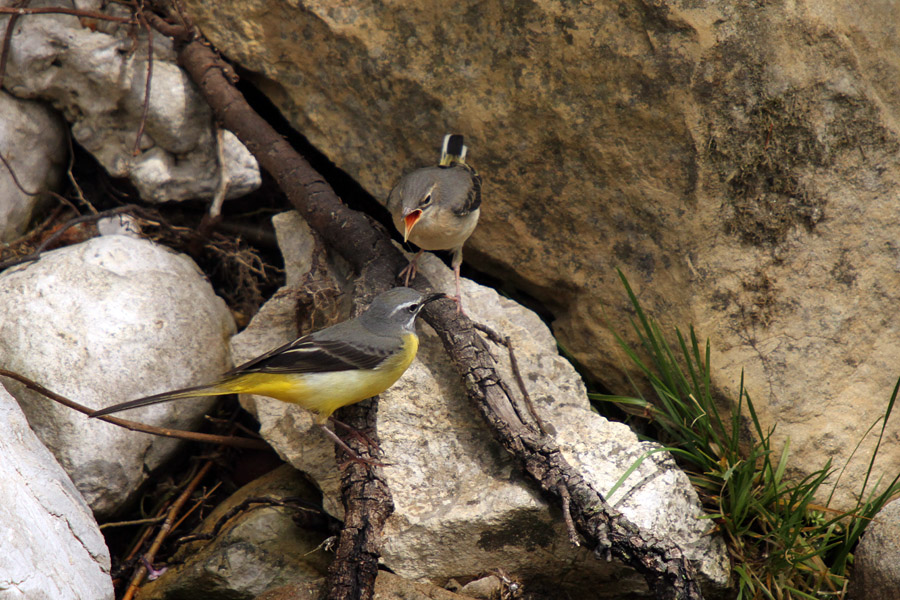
250 504
167 526
193 436
146 108
62 199
147 521
89 14
215 207
239 426
39 229
514 365
15 179
197 504
79 193
7 41
129 560
59 233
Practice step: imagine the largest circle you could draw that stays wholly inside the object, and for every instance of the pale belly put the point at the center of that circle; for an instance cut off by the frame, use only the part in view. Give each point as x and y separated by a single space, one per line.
431 235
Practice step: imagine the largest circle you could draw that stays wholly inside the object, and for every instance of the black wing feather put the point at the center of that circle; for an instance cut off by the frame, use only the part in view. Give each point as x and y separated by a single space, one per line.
306 355
473 198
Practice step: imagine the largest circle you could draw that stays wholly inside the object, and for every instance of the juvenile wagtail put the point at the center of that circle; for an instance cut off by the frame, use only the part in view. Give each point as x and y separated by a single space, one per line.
325 370
437 208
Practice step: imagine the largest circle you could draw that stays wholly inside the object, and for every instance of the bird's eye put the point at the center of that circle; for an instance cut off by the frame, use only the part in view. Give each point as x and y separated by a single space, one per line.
412 308
425 201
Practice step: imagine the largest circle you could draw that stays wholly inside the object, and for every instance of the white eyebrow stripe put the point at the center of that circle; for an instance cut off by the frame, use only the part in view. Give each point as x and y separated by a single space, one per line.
403 306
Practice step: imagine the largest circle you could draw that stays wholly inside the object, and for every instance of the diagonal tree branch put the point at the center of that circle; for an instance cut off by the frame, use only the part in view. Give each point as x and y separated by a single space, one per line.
370 251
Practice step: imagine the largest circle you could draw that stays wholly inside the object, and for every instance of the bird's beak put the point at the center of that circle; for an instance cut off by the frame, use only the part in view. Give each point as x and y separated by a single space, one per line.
433 297
409 221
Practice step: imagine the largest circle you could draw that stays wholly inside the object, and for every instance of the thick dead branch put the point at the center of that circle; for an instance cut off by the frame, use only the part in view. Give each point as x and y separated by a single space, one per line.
367 505
351 234
367 500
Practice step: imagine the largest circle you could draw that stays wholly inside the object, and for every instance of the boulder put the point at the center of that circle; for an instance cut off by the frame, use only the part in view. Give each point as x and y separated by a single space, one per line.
97 78
108 320
737 160
52 546
876 560
260 547
33 142
387 587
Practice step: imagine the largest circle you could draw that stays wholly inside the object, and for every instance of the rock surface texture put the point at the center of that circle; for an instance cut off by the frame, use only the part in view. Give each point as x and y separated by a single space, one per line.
97 77
739 161
105 321
52 547
876 561
259 548
33 142
387 587
461 509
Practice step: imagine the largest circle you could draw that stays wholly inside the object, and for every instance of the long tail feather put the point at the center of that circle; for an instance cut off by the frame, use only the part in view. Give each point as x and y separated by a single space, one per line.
200 390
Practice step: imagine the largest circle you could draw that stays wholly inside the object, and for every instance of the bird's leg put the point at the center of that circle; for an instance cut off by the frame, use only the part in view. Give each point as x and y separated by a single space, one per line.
410 270
353 455
360 435
457 263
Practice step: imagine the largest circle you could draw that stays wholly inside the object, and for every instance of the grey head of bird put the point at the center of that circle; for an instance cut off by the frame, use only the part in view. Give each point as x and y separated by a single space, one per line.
432 190
395 311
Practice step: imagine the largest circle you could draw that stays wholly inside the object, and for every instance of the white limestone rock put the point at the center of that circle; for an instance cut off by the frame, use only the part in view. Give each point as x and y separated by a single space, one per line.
52 547
462 508
102 322
97 79
33 142
276 324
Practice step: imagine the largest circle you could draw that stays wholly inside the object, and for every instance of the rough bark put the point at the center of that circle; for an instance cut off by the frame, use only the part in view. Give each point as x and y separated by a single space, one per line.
369 250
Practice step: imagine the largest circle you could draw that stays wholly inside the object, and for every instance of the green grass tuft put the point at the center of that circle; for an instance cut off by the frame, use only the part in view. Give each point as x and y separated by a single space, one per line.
782 544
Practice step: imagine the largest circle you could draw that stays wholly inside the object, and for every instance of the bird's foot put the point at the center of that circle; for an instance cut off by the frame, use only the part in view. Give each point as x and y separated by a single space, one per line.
457 262
459 308
358 434
353 456
408 273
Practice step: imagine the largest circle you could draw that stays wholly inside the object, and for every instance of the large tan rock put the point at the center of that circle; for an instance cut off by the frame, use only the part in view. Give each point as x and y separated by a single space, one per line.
737 160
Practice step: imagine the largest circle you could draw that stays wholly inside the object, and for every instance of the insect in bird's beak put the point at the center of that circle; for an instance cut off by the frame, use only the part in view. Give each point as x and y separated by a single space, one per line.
409 221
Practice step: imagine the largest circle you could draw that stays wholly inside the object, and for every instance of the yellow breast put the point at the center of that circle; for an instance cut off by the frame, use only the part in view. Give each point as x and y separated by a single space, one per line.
324 393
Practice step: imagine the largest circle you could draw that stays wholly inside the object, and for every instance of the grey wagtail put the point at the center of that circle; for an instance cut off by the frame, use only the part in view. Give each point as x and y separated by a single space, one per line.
437 208
325 370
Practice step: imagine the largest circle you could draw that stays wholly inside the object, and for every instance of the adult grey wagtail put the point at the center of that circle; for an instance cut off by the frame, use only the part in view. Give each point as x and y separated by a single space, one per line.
325 370
437 208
